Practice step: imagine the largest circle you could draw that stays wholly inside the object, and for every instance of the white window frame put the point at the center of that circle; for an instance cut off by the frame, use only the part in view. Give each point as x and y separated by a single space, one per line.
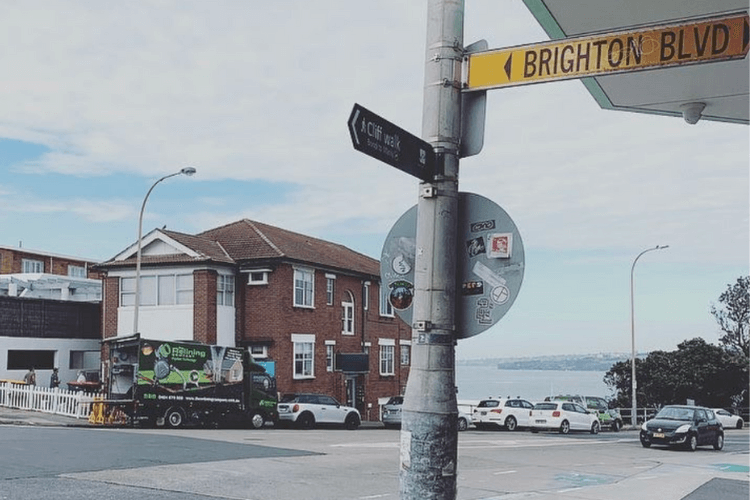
347 315
76 271
258 351
387 357
330 288
225 290
29 266
386 309
305 277
254 279
303 366
366 296
405 347
330 354
181 292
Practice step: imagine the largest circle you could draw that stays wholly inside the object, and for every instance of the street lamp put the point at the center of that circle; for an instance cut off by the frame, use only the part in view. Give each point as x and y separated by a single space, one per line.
185 171
633 413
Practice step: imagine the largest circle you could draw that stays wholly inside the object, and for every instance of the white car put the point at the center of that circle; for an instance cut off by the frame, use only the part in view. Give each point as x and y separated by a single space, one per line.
307 410
508 413
728 420
563 416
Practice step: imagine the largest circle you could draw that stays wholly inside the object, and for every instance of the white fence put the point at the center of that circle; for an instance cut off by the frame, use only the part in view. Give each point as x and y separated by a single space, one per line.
57 401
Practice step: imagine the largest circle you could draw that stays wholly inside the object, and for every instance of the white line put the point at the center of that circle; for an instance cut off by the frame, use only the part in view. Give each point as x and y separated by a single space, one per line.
503 472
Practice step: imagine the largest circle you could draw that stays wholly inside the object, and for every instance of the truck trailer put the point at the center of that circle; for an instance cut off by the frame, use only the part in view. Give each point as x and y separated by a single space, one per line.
155 382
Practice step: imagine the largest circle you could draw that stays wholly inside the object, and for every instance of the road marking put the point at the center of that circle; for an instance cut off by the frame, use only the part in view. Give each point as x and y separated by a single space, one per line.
500 473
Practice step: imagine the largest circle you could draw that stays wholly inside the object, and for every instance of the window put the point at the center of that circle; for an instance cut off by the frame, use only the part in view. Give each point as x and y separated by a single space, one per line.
330 347
259 351
366 296
330 282
258 277
83 360
347 311
76 271
386 309
304 347
303 287
162 290
32 266
225 290
23 360
386 359
405 355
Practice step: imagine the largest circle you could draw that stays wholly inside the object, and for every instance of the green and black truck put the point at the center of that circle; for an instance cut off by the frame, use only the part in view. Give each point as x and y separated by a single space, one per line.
155 382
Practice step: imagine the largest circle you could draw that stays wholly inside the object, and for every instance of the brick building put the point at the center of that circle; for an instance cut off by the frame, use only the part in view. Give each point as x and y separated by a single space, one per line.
311 309
49 314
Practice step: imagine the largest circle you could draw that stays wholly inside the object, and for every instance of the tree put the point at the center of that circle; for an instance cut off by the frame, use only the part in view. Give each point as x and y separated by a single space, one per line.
705 373
733 316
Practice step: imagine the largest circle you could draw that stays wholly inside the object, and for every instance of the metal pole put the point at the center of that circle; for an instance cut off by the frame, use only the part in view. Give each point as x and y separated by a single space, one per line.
185 171
429 434
634 384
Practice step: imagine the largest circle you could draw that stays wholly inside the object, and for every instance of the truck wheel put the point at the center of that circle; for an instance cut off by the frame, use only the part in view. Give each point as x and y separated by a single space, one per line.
257 420
174 417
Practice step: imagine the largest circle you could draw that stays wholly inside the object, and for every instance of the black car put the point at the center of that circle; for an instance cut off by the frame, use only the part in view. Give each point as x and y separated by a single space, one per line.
687 426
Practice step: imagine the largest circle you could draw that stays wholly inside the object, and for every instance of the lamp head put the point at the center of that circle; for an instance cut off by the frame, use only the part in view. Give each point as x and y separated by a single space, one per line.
188 171
692 111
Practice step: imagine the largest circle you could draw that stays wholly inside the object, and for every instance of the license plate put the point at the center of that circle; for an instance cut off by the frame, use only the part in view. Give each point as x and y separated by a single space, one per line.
483 413
541 421
659 435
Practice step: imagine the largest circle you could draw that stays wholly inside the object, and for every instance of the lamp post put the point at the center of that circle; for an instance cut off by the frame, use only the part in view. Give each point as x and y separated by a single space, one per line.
185 171
633 411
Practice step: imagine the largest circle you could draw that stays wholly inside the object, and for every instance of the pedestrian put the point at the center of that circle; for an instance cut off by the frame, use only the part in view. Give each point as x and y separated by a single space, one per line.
54 379
30 377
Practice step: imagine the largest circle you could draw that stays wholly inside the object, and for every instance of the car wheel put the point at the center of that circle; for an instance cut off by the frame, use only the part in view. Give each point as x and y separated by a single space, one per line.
306 421
352 421
595 427
174 417
719 443
462 424
510 423
645 443
692 442
616 426
256 420
740 424
564 427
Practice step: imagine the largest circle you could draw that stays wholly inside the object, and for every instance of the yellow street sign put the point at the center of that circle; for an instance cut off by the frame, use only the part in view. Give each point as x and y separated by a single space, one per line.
689 42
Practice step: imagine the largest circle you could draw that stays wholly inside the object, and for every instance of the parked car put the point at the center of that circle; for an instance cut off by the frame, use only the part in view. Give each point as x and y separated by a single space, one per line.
564 416
307 410
392 414
609 418
508 413
687 426
727 419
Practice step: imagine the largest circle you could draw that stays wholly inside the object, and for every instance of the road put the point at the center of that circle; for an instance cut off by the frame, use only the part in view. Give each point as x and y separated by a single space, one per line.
331 464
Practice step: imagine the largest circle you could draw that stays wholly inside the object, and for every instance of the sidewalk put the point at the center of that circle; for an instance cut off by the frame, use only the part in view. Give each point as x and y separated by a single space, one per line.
13 416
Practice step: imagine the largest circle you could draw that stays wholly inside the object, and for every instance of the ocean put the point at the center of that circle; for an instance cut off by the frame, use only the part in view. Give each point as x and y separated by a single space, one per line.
481 382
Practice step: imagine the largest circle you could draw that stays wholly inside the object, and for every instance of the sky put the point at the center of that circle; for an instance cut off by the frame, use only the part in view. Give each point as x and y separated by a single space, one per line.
100 99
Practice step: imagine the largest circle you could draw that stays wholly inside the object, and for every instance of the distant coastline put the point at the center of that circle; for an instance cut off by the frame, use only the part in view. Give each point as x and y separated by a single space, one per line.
570 362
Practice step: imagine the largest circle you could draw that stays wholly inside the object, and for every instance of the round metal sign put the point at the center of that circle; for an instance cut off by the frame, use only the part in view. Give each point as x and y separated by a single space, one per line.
489 264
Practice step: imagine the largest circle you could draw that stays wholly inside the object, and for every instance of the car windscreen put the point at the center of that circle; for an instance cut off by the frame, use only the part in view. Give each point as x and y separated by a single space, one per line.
288 398
672 413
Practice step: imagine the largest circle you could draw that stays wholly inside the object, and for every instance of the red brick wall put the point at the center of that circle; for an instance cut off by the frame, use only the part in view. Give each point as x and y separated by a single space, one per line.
268 313
110 303
11 261
204 306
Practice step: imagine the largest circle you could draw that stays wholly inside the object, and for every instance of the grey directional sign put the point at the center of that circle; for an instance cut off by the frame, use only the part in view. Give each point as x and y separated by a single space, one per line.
377 137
